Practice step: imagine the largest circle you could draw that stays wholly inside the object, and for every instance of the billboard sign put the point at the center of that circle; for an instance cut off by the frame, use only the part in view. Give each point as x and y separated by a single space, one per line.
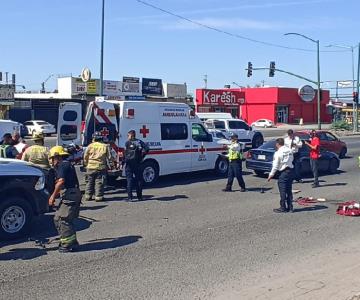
131 85
151 86
112 88
172 90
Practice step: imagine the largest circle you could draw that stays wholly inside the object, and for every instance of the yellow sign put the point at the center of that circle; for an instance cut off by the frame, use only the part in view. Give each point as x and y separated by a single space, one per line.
91 87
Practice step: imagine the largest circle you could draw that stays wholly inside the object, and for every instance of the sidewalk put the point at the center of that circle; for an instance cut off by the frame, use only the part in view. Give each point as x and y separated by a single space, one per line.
300 127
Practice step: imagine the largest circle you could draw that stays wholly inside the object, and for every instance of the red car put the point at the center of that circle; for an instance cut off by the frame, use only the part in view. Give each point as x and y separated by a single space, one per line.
328 141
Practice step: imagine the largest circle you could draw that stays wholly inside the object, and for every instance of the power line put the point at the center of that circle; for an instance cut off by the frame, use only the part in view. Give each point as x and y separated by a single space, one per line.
235 35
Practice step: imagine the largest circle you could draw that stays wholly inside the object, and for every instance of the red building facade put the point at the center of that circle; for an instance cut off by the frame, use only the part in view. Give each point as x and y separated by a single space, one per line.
280 105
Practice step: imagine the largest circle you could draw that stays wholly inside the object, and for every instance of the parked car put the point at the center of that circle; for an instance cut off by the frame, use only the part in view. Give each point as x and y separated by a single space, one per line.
260 160
328 141
8 126
245 132
264 123
22 187
40 126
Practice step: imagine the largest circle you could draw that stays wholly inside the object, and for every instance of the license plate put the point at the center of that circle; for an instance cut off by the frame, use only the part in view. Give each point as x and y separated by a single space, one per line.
261 157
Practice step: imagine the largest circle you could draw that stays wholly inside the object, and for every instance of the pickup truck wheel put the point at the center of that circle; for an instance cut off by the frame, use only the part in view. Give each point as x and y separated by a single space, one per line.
150 172
15 218
222 167
257 141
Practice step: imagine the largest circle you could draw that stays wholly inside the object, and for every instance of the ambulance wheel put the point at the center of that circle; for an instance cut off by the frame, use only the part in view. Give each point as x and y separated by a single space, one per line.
15 218
150 172
222 167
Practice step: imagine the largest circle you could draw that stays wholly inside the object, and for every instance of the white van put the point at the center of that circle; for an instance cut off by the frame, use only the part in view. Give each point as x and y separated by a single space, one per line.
228 125
177 139
8 126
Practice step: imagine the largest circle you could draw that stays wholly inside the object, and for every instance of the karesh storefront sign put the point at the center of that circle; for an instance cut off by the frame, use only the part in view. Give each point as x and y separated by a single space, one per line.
221 97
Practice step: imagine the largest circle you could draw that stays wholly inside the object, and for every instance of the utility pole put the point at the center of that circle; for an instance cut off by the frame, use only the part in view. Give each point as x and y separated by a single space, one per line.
357 91
318 84
102 50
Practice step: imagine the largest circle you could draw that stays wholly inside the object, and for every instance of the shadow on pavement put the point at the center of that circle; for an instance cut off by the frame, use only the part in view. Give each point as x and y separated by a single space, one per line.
165 198
23 254
108 243
310 208
333 184
83 207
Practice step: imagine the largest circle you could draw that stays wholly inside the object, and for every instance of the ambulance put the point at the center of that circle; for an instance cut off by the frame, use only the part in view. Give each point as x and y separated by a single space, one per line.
176 137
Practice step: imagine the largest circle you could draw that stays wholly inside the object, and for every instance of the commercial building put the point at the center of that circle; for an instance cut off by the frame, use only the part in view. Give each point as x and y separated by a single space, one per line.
278 104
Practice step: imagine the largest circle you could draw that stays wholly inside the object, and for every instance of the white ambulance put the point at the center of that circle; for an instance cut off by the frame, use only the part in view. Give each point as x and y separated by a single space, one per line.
177 139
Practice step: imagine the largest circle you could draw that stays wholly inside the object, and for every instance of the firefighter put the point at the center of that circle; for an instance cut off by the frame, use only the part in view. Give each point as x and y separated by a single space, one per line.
235 164
38 154
135 151
7 150
97 158
67 186
283 166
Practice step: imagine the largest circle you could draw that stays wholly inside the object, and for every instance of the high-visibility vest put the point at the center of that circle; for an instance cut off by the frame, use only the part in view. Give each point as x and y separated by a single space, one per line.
3 149
234 154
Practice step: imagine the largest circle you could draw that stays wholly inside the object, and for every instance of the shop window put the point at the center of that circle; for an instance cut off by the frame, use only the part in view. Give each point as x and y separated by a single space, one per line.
174 131
238 125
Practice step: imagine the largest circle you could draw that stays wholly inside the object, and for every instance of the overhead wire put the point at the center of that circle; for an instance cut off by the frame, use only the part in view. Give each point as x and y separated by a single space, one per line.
235 35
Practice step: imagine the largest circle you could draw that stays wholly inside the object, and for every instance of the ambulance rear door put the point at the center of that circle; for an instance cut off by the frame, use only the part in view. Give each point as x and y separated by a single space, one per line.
69 123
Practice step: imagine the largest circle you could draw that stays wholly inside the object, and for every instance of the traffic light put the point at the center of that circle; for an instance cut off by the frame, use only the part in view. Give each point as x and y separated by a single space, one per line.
355 97
249 69
272 69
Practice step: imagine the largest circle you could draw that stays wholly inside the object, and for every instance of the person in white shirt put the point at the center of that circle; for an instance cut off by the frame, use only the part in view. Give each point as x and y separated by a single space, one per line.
294 143
283 165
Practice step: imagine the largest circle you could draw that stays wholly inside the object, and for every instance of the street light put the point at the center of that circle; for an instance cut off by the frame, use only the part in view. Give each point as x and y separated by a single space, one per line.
102 49
317 42
234 83
351 48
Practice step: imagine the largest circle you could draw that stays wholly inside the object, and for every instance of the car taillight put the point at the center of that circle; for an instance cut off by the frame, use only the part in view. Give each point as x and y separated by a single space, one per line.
121 152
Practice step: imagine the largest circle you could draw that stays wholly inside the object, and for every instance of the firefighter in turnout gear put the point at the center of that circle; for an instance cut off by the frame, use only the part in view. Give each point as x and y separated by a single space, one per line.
67 186
38 155
135 151
235 164
97 158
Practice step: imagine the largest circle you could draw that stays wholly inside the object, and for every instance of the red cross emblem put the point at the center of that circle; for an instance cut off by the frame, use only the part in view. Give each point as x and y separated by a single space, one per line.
144 131
202 149
104 132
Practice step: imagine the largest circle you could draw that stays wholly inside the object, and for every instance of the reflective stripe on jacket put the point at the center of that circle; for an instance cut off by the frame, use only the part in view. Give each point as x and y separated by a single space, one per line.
3 149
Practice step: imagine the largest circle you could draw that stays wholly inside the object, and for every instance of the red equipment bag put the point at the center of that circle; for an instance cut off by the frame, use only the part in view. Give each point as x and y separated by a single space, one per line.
305 201
350 208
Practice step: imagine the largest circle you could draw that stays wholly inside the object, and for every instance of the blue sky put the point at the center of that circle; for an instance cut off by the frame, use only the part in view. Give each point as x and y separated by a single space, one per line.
42 37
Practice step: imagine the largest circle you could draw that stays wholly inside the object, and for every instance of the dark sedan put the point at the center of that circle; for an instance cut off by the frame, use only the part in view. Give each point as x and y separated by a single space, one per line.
260 160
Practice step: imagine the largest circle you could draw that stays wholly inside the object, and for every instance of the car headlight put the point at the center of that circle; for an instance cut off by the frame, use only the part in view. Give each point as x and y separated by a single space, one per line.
40 184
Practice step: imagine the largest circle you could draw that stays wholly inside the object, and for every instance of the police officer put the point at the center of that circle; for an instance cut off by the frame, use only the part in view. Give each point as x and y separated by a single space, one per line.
135 151
7 150
283 165
235 165
67 186
294 143
97 157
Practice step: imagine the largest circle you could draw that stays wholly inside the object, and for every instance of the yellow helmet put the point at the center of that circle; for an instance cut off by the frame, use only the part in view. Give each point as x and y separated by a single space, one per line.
57 151
37 136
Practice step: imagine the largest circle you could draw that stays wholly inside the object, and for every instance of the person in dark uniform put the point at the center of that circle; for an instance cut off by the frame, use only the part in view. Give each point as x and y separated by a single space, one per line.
67 186
283 165
135 151
235 165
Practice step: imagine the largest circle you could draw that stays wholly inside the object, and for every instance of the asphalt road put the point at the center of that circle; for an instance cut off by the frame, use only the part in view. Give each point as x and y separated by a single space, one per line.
189 240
